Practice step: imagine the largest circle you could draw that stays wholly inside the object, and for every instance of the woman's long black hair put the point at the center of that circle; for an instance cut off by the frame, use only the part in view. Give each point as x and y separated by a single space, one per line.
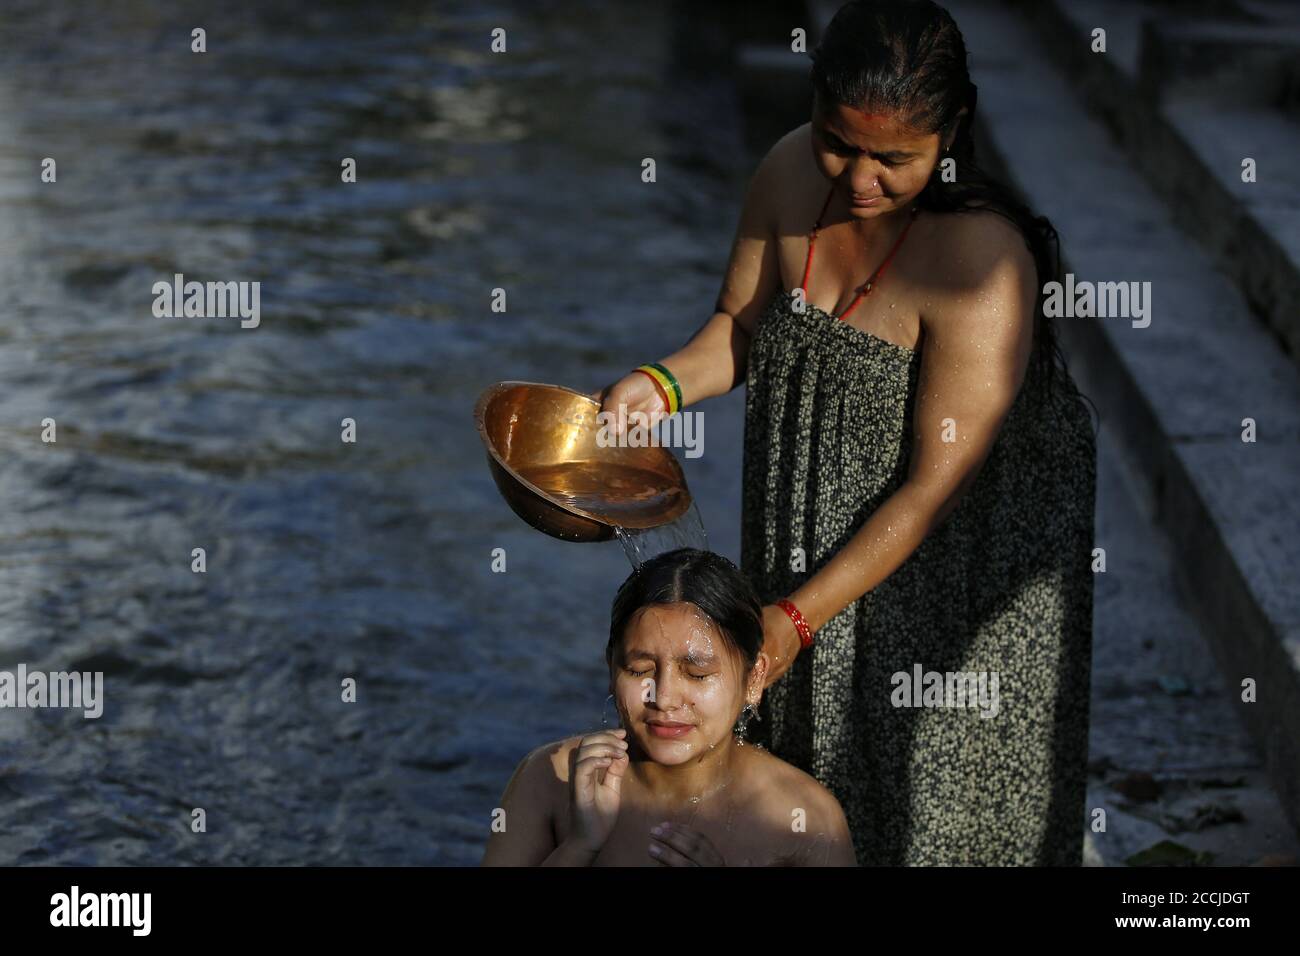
907 58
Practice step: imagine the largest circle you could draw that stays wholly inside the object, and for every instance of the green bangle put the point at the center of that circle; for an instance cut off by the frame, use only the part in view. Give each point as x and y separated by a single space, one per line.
672 380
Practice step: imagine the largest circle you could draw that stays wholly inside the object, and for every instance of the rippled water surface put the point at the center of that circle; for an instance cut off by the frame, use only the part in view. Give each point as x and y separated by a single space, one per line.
325 560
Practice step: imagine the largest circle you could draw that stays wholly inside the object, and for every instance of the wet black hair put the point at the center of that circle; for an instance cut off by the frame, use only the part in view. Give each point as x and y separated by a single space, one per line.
703 578
907 58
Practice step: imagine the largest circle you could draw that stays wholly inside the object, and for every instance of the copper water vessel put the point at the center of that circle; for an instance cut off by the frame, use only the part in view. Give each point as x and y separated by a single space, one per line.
542 447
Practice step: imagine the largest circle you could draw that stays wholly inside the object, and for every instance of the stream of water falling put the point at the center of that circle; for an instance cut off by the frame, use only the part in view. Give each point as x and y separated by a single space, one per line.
686 532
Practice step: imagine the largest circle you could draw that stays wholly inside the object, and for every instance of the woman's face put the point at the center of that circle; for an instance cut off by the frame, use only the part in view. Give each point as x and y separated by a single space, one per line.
678 684
879 164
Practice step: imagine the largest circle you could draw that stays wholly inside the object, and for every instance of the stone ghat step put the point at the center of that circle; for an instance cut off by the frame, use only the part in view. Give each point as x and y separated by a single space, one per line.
1175 393
1218 144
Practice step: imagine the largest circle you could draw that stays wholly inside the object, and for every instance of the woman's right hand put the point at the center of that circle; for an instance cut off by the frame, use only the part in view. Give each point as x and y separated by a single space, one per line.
595 788
636 391
780 642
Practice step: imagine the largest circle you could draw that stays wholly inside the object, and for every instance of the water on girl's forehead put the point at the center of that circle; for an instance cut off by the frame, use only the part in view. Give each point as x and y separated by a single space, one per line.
686 532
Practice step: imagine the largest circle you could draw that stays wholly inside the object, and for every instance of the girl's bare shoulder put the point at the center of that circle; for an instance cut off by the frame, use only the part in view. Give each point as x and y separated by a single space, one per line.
542 776
802 822
781 788
550 763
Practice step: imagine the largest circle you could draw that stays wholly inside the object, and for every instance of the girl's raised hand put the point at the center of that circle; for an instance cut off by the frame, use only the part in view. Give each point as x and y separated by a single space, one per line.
595 787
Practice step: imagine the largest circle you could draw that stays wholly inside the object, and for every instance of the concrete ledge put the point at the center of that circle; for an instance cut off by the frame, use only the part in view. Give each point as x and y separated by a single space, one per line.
1250 61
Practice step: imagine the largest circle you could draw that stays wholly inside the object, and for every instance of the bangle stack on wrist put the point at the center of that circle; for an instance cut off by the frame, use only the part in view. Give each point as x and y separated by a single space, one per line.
666 382
800 625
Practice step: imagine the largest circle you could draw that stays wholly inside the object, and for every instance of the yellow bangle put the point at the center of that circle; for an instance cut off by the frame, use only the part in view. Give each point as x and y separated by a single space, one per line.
672 391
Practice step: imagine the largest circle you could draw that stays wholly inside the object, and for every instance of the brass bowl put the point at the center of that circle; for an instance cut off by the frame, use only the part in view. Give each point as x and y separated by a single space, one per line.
541 447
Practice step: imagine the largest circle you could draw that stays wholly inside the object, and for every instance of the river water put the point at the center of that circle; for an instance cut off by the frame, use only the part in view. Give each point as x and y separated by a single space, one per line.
325 560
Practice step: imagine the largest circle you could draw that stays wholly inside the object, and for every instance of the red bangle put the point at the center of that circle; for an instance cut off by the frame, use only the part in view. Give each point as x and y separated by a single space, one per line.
800 625
658 388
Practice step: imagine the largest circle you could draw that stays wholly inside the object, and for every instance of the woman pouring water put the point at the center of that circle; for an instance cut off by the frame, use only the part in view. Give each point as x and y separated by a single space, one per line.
919 467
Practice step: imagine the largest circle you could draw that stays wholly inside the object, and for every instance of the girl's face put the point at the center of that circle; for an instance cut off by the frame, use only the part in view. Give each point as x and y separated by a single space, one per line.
879 164
678 684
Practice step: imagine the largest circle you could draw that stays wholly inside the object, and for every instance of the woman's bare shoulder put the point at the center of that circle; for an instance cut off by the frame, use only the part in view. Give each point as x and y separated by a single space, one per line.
792 149
973 240
985 288
786 179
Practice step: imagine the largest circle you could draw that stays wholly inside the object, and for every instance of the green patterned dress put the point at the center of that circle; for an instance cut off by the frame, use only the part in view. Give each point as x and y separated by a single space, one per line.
1003 586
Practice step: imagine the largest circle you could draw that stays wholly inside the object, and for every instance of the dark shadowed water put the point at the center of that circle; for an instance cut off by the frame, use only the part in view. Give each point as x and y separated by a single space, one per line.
325 560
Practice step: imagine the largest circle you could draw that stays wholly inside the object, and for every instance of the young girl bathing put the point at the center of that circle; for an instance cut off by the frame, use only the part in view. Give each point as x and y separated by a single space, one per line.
674 784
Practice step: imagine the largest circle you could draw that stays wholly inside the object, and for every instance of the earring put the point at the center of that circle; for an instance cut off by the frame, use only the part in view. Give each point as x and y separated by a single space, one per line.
749 713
